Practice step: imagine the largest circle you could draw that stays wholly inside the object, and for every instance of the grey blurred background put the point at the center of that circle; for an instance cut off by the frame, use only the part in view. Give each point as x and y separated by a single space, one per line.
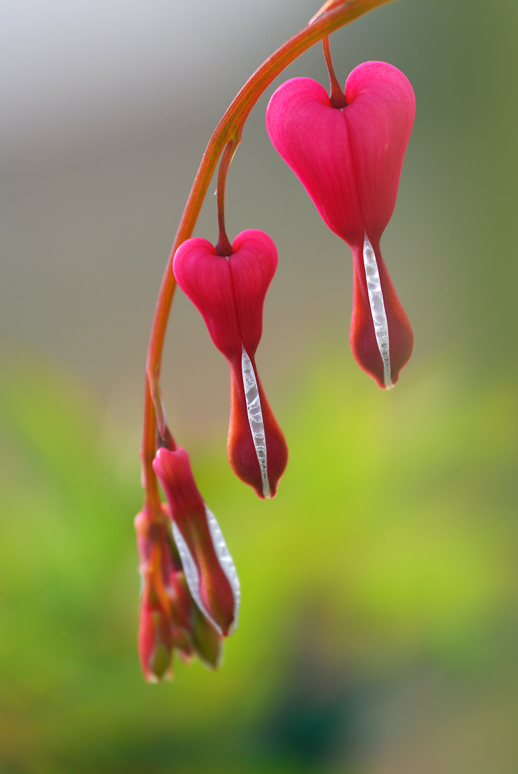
106 108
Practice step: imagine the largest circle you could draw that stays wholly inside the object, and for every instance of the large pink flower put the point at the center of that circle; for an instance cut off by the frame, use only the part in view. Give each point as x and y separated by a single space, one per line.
349 160
229 292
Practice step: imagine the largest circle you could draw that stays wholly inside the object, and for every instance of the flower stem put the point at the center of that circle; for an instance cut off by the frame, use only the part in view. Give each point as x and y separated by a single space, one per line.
229 129
337 96
224 247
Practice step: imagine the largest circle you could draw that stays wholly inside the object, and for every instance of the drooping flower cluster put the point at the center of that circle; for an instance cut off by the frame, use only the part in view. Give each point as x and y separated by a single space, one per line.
349 160
190 590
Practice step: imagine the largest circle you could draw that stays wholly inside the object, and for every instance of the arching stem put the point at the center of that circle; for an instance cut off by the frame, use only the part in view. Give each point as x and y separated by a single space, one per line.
229 127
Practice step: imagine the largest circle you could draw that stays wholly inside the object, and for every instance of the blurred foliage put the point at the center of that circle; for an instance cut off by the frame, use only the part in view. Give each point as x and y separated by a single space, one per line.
386 566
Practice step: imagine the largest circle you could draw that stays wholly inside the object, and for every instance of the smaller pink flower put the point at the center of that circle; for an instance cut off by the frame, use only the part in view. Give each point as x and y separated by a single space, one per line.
229 292
209 570
349 160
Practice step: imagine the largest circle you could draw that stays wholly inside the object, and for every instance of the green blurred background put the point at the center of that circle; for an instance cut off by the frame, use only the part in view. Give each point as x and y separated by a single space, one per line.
379 624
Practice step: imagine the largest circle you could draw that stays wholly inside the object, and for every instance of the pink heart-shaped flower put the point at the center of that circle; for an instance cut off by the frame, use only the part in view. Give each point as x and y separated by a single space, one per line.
229 292
349 160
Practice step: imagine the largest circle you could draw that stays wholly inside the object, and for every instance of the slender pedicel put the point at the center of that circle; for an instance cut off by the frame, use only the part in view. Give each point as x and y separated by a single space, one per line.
255 418
377 305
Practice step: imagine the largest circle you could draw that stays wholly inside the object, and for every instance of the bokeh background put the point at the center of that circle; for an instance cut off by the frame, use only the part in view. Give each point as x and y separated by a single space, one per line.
379 625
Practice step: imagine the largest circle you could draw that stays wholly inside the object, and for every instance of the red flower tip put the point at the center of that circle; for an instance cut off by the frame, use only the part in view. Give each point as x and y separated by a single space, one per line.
349 160
155 641
256 447
209 570
381 336
229 292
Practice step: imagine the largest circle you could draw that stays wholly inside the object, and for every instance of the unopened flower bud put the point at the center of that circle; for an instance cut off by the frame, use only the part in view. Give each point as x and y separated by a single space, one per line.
154 641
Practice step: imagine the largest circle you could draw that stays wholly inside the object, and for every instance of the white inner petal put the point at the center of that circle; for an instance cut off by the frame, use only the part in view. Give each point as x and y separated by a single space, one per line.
191 574
225 560
255 418
379 315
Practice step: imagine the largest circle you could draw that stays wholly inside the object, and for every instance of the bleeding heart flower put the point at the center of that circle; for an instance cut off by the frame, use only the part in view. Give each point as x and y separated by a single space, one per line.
349 160
209 570
229 292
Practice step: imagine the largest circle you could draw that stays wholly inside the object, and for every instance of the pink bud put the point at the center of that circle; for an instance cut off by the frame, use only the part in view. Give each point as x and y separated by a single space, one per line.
155 642
349 160
229 292
208 566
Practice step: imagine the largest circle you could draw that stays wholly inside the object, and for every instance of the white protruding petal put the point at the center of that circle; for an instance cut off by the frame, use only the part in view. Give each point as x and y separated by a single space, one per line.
226 563
255 418
191 574
377 305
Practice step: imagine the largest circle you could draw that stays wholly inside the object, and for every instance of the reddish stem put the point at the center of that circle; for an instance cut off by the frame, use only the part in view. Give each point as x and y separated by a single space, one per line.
224 247
228 129
337 96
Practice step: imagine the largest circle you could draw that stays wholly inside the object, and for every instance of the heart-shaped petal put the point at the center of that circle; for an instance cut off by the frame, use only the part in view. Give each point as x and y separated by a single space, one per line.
229 291
349 159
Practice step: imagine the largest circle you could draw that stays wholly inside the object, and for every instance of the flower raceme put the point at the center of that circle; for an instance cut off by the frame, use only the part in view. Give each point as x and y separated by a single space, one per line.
349 160
229 292
208 567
